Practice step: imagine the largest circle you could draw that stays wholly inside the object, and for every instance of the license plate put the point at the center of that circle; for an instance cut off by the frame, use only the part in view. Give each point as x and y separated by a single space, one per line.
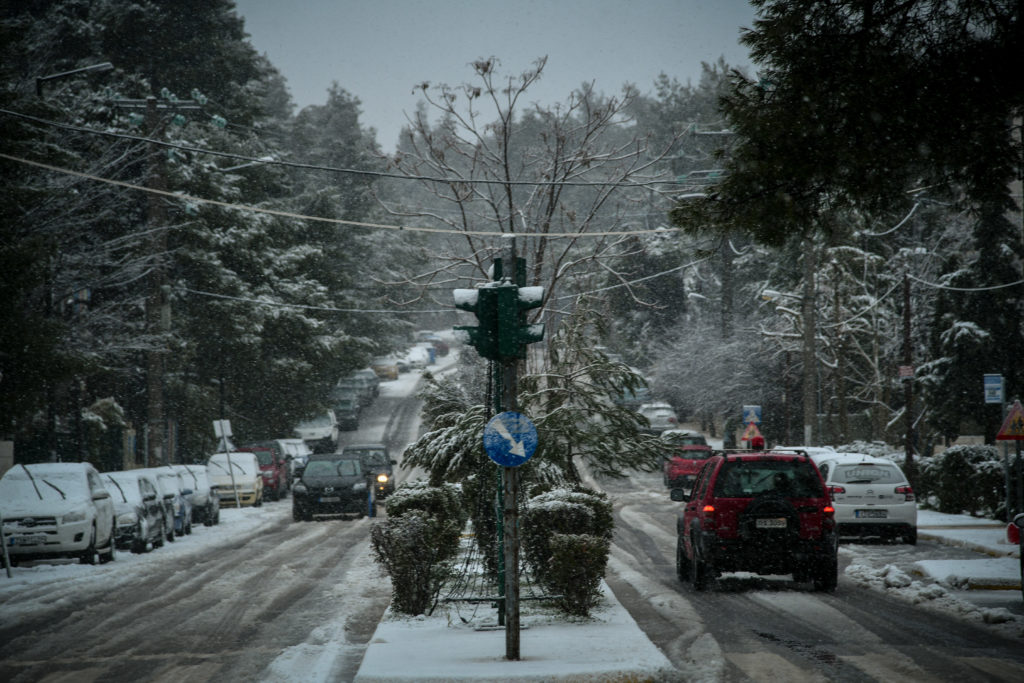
773 523
330 499
871 514
28 540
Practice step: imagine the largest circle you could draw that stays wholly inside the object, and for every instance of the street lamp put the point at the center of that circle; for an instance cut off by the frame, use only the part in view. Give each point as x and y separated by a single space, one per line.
104 66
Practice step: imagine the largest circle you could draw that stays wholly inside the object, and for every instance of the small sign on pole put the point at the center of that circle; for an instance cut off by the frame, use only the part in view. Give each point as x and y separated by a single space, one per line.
1013 425
993 388
751 415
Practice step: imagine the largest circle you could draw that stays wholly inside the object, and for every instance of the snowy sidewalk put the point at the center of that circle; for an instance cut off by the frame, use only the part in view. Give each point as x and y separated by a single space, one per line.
999 571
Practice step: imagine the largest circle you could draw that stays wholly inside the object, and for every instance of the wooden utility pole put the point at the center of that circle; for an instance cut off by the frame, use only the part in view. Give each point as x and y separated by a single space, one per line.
157 248
908 384
810 361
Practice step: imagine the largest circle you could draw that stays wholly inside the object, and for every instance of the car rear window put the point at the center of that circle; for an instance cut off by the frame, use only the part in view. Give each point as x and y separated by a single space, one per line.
750 478
867 474
265 457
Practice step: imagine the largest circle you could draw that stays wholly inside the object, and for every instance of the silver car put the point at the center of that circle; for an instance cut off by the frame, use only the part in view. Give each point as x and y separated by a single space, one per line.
871 496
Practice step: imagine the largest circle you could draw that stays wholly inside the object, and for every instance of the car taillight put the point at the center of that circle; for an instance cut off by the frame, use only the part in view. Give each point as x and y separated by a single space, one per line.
709 509
906 491
709 517
833 490
828 511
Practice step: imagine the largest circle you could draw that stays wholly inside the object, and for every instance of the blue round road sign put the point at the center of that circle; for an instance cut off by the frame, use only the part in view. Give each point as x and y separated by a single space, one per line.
510 439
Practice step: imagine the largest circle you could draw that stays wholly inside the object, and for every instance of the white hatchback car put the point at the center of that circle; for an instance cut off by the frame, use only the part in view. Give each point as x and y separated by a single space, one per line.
58 509
871 496
660 416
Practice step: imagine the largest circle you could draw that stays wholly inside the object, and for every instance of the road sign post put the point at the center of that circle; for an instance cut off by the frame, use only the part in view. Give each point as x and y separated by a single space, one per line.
1013 430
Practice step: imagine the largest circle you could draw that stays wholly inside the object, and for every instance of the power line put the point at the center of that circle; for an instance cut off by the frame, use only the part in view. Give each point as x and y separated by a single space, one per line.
936 285
329 169
327 309
338 221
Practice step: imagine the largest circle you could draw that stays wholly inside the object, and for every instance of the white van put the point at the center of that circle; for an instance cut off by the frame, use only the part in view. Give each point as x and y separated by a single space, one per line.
236 472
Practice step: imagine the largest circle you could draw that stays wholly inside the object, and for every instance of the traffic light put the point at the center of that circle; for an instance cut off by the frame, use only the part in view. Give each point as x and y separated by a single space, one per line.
513 331
484 303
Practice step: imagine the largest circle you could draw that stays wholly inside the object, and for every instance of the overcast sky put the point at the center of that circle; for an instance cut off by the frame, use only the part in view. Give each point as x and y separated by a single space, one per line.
378 50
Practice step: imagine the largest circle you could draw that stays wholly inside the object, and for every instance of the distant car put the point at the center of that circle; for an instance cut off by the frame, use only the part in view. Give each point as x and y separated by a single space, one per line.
320 432
765 512
386 367
346 410
690 450
1018 525
274 467
331 484
370 378
139 510
660 416
174 489
205 501
378 463
57 510
298 452
233 473
871 495
420 356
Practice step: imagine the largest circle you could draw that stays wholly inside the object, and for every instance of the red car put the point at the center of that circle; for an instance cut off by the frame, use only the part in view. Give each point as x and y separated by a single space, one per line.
765 512
691 450
274 468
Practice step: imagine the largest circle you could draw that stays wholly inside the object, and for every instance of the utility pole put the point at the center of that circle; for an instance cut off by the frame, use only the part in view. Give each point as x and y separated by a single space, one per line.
907 374
158 311
810 361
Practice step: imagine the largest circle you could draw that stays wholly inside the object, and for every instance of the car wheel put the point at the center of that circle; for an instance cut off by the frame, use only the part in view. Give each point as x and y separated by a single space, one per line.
826 575
139 545
682 562
297 515
170 531
208 518
275 494
188 527
910 538
216 517
90 555
700 572
158 541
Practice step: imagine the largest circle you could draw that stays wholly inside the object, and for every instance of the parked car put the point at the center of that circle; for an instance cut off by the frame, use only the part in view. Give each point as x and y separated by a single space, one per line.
57 510
273 467
766 512
354 386
298 453
205 501
331 484
1017 524
138 509
346 410
386 367
232 473
660 416
689 451
320 432
377 463
174 490
871 495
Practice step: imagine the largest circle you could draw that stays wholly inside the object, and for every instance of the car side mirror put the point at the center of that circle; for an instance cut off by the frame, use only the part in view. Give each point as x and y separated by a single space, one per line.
187 492
1019 520
679 495
101 495
149 497
393 461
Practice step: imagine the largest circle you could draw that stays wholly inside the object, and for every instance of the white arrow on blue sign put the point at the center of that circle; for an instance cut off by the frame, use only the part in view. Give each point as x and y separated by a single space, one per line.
510 439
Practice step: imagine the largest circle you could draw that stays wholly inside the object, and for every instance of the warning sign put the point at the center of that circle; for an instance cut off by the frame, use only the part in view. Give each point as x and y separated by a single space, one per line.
1013 425
751 431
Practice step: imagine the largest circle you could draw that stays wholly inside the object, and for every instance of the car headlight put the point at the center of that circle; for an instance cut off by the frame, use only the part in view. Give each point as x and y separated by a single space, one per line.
361 486
125 519
74 517
382 478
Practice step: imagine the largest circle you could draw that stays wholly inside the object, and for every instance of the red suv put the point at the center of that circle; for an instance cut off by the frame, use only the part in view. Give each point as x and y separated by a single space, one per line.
274 468
763 512
689 451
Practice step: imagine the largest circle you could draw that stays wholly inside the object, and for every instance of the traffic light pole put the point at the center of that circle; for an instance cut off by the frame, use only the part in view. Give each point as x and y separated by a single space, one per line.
510 498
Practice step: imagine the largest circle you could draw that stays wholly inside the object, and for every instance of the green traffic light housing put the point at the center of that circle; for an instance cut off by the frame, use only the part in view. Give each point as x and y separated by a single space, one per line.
500 308
483 302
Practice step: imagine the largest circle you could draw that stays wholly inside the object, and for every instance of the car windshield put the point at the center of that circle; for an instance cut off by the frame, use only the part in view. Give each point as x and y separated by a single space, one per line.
685 439
332 468
866 474
318 421
749 478
372 456
265 457
123 488
693 455
16 485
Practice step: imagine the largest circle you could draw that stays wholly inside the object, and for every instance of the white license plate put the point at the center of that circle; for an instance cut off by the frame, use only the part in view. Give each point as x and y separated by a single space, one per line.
330 499
871 514
773 523
37 539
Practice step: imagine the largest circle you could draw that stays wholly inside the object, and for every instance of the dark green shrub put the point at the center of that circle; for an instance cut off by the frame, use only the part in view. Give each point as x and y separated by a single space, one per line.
577 566
418 542
580 519
962 479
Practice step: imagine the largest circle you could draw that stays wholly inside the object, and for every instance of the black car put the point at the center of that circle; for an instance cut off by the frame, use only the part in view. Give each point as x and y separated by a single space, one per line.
139 511
378 464
346 410
331 484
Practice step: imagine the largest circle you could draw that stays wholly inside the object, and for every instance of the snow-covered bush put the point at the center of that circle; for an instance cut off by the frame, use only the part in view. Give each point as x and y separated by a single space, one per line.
965 478
418 542
566 538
